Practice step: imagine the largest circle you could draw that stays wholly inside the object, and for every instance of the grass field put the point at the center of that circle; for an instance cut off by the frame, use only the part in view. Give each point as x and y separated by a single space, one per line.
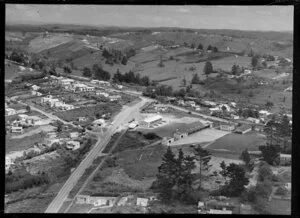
12 71
279 207
23 143
238 142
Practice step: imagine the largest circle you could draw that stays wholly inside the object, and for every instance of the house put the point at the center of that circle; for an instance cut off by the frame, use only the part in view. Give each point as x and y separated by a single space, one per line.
119 86
150 121
181 102
233 104
82 119
16 129
253 120
197 108
99 122
227 127
36 93
74 134
106 95
8 163
68 107
66 81
201 208
243 129
167 140
142 202
10 111
214 211
114 97
285 159
133 125
289 89
210 103
190 103
74 145
22 68
160 108
190 129
264 113
35 87
104 83
287 186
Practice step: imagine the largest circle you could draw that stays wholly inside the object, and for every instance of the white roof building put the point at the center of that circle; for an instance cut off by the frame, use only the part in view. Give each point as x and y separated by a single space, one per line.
153 118
74 145
10 111
35 87
213 211
142 202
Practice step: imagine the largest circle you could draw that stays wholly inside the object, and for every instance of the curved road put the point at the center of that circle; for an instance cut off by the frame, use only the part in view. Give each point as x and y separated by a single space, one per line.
124 116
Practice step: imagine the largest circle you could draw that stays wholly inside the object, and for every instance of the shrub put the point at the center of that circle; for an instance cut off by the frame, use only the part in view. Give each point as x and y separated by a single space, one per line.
151 136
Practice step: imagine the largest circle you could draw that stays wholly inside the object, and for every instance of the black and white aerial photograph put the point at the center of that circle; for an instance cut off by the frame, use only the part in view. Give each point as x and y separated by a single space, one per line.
148 109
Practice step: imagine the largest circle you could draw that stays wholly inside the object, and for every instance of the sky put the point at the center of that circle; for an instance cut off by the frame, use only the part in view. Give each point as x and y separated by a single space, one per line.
264 18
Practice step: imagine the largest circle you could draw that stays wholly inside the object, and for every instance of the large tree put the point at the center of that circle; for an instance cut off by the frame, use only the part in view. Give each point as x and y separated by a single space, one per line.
87 72
195 79
208 68
99 73
270 153
203 156
237 180
174 178
254 61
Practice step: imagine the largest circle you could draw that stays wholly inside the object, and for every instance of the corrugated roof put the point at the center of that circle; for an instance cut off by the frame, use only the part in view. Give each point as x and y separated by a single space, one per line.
192 126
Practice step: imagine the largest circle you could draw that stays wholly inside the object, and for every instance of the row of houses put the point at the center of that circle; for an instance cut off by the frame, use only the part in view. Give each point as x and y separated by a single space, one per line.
26 121
111 201
56 103
102 83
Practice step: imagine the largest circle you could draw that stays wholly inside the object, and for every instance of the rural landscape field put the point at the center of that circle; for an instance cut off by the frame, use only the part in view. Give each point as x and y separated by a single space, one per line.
178 119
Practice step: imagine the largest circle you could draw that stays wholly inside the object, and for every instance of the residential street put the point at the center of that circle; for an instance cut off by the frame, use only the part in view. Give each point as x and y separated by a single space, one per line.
124 116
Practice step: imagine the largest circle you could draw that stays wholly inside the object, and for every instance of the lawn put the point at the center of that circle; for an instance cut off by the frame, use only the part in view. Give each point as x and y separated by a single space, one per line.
238 142
143 163
279 207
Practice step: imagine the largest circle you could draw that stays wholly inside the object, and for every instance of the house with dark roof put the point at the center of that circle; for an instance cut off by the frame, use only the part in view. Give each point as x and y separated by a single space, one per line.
243 129
190 129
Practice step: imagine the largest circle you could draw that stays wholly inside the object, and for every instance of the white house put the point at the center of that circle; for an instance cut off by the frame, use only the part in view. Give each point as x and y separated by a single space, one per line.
16 129
74 134
36 93
142 202
214 211
82 119
106 95
114 97
119 86
22 68
264 113
289 89
35 87
227 127
10 111
73 145
285 158
150 120
66 81
287 185
253 120
99 122
210 103
191 103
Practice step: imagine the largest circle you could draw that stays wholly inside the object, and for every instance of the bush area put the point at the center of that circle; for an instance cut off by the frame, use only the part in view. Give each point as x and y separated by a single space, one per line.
21 179
112 189
131 140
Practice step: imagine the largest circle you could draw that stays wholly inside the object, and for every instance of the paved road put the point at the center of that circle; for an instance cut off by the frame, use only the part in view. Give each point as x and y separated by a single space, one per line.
124 116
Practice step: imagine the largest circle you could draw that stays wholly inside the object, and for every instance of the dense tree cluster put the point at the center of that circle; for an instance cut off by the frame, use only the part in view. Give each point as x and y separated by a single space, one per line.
254 61
270 153
115 56
87 72
237 70
212 48
235 179
99 73
174 178
19 57
21 179
131 77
